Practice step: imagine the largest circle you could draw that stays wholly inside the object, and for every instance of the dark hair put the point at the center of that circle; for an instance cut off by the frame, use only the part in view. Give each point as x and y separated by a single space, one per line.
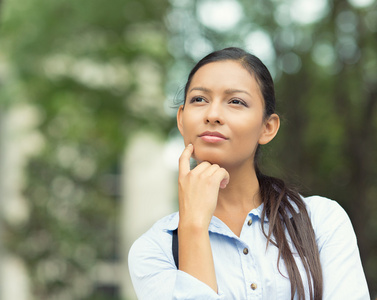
283 206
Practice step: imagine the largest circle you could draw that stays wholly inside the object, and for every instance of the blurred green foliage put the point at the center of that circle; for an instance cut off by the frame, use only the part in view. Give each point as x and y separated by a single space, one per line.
79 63
88 67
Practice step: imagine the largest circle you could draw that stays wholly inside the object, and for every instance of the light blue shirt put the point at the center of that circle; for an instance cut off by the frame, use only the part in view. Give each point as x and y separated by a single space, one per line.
252 273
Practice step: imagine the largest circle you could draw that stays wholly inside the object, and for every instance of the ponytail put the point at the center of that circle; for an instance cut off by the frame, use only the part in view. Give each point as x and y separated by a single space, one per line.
279 207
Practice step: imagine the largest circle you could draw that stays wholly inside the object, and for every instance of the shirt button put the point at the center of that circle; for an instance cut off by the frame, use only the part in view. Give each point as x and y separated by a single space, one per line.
245 251
253 286
250 222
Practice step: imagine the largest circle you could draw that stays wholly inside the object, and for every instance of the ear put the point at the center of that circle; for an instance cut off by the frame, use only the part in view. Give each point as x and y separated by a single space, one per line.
180 119
270 129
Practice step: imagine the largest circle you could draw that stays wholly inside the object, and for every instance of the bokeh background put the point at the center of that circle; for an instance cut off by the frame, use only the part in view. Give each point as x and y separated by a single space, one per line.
88 144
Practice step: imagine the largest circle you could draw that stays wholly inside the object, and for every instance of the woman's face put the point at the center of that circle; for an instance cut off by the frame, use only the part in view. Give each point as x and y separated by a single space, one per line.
223 116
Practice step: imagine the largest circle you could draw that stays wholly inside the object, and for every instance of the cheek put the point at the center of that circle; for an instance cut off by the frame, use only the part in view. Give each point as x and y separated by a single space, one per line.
247 130
247 137
187 132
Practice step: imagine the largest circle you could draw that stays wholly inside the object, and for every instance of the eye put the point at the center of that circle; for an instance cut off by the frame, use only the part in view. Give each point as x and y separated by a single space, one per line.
238 102
197 100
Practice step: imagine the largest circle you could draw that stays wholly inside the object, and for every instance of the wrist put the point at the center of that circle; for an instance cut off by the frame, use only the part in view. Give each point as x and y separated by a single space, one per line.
195 226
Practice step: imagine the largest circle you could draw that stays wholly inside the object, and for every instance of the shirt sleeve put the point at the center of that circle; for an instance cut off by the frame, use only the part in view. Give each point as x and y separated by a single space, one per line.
343 275
155 276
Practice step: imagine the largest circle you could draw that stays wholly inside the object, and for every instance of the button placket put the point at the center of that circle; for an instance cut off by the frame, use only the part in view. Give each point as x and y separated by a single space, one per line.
248 265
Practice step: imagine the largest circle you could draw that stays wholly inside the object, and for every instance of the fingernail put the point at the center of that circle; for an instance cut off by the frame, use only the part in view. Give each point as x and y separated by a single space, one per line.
223 185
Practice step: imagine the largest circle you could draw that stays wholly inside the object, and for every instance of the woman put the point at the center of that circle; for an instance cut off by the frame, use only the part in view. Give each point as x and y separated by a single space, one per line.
242 234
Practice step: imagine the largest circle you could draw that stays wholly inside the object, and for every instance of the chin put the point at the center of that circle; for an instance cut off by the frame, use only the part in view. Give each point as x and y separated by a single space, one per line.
211 157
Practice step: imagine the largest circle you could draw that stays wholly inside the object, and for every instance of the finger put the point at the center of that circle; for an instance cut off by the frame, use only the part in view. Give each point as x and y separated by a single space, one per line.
184 160
222 176
224 182
200 168
209 169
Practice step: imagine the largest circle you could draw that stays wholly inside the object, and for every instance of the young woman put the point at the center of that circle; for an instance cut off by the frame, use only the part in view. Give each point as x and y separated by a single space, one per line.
242 234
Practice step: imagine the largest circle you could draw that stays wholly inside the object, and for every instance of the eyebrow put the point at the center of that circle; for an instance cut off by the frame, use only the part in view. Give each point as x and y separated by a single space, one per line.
200 89
233 91
227 91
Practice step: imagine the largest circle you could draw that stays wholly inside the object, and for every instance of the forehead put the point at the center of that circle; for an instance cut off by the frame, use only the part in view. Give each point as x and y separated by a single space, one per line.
224 74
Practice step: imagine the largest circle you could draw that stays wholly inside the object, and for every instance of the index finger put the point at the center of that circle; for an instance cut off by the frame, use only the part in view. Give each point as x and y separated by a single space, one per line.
184 160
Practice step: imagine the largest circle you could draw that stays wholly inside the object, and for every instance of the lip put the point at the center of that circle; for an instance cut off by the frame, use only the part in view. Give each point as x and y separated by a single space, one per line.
212 137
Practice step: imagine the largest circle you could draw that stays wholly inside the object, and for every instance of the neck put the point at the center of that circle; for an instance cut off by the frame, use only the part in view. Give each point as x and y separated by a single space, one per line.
242 192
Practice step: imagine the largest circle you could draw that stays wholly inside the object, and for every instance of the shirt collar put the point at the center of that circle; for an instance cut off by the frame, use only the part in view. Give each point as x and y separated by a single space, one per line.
257 213
216 224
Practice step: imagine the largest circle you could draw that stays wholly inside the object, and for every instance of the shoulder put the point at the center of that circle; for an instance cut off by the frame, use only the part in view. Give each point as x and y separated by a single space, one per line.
321 209
318 205
155 243
167 223
342 270
159 232
329 219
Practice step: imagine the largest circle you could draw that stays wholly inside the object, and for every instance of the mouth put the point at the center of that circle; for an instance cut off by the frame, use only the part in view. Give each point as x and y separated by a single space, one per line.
212 137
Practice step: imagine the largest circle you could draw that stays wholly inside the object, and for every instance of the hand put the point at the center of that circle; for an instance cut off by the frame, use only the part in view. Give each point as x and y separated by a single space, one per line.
198 189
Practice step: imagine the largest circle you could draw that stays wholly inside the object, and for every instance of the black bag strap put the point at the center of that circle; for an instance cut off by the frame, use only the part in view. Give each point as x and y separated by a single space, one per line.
174 247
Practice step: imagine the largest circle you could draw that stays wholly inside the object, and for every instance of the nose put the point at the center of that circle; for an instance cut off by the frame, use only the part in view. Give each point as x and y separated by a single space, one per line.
214 114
